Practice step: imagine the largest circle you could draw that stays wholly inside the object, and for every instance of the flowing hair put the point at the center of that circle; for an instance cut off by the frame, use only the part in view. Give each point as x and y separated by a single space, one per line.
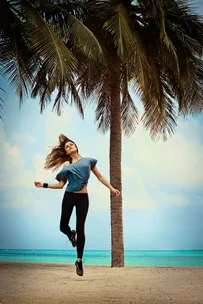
58 154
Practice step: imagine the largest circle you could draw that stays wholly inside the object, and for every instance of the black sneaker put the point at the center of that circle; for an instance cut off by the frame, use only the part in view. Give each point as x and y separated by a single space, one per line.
73 238
79 268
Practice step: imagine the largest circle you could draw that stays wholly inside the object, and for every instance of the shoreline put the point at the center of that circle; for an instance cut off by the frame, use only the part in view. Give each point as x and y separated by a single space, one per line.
93 265
58 283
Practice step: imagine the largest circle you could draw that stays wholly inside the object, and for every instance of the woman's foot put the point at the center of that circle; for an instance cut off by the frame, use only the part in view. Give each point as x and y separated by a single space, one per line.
73 238
79 268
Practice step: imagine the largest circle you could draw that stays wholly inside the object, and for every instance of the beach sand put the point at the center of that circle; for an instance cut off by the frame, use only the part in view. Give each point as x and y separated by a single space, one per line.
48 283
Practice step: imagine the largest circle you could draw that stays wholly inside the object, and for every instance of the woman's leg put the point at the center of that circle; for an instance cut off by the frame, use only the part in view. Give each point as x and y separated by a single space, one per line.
82 205
66 211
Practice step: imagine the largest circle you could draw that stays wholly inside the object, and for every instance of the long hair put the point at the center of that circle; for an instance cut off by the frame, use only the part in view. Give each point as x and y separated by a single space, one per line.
58 154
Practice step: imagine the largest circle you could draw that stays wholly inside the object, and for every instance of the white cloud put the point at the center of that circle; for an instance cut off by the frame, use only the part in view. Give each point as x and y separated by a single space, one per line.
170 199
13 153
176 163
139 195
138 204
151 171
21 199
99 196
139 198
25 137
135 192
13 173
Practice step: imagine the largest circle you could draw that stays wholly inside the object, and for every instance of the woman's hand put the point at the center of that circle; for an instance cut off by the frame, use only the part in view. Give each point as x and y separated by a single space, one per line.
116 192
38 184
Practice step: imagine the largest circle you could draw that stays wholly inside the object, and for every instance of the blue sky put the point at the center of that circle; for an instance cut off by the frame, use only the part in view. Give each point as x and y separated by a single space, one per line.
162 181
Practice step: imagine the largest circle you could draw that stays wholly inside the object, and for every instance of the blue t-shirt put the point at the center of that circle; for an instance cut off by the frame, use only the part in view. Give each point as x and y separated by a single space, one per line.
77 173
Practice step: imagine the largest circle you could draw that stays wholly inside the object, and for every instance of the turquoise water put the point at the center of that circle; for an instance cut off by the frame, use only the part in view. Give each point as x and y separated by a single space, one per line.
103 257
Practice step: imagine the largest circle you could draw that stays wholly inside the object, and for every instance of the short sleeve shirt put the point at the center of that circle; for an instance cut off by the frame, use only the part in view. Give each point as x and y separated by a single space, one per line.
77 173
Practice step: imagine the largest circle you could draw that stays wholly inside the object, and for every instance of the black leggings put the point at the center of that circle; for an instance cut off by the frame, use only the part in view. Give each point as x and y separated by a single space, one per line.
81 202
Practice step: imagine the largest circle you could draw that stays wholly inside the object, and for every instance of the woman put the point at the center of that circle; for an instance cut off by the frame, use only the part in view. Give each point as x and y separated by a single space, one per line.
76 170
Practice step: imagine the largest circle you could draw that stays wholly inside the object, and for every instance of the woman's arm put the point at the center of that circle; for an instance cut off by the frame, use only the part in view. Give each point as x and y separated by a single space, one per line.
59 185
104 181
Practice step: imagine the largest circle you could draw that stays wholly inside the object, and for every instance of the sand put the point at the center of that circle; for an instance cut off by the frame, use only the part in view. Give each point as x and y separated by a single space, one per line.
43 283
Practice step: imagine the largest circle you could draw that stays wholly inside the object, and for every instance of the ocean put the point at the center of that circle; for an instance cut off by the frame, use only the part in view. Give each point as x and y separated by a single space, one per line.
103 257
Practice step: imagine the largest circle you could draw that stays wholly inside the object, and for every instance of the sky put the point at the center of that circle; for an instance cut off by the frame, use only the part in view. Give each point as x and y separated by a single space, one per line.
162 181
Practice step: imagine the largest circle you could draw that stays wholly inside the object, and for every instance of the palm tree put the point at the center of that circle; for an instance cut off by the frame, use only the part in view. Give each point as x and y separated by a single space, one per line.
156 47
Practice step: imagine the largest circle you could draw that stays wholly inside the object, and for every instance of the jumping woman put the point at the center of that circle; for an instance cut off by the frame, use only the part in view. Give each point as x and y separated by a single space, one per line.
76 170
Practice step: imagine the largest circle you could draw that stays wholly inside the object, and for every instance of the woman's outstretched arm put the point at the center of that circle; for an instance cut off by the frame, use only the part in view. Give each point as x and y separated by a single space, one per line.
104 181
59 185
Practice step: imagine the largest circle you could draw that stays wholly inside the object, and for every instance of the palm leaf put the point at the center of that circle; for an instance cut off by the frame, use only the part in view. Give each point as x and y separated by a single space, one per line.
191 102
160 112
57 60
2 102
103 112
129 112
17 71
89 77
84 39
75 98
137 62
160 19
41 87
94 81
119 26
1 89
15 56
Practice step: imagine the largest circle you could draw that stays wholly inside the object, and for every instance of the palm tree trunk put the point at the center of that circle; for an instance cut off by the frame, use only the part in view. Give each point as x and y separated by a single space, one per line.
117 246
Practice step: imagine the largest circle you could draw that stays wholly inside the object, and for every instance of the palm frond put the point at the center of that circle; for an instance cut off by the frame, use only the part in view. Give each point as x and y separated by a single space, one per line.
58 62
15 57
192 102
160 112
186 31
43 40
103 113
119 27
93 81
89 77
1 89
84 39
157 96
20 75
92 75
129 112
164 37
75 98
180 14
1 102
41 87
99 88
137 61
